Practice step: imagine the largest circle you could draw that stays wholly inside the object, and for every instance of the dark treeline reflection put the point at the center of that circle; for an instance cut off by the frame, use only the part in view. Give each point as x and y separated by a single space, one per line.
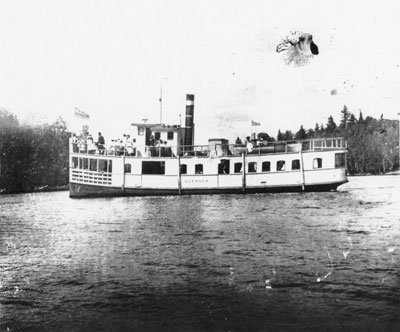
36 157
32 157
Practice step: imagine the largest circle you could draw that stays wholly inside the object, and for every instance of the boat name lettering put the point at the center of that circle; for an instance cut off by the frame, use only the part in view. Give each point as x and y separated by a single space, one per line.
196 180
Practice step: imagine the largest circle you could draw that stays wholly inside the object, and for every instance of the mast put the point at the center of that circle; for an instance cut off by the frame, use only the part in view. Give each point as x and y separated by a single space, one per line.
160 99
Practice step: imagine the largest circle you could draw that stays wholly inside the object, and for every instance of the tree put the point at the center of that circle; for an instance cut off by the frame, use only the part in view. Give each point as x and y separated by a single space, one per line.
360 117
310 133
280 136
288 135
372 143
331 126
352 119
7 120
345 117
32 156
301 134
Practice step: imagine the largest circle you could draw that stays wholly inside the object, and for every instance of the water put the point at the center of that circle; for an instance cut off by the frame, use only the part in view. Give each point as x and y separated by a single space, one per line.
268 262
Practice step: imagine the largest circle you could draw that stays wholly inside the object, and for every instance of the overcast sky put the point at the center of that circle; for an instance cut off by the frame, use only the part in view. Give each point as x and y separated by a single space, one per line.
109 58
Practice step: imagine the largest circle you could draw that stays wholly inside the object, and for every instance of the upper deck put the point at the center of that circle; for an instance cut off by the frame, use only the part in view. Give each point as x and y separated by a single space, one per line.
210 150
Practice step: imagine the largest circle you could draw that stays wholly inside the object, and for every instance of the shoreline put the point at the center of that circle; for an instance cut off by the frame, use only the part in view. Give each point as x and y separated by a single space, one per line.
66 187
36 190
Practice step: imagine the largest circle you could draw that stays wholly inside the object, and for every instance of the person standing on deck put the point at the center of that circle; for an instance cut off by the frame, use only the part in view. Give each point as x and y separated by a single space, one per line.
100 143
74 141
249 144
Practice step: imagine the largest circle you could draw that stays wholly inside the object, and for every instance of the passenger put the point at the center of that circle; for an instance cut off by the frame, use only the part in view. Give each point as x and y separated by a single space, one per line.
131 147
168 149
152 141
100 144
82 145
148 152
158 148
128 144
162 148
74 141
238 141
91 148
249 144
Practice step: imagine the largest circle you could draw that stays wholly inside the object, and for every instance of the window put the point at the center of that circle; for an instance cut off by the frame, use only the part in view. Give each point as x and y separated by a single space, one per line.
102 165
252 167
318 145
85 163
140 131
128 168
74 162
306 146
170 135
153 167
266 166
157 135
93 165
223 167
238 168
340 160
280 165
110 166
317 163
295 164
198 168
183 169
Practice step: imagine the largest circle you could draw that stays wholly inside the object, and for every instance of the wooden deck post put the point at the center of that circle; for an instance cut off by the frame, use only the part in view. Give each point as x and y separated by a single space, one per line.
123 173
302 167
243 173
179 176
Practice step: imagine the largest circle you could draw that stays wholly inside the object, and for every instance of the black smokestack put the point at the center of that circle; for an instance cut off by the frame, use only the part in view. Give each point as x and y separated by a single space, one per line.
189 124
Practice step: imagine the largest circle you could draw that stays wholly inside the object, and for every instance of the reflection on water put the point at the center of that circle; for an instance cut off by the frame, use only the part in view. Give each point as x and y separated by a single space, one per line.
288 262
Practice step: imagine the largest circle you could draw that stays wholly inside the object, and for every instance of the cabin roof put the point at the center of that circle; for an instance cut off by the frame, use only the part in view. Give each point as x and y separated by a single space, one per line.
146 125
157 126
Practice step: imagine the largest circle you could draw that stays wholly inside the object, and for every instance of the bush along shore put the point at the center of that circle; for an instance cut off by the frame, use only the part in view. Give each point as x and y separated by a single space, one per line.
32 158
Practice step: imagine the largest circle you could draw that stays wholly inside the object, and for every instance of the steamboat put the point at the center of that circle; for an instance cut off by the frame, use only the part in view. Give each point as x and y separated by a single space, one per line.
141 165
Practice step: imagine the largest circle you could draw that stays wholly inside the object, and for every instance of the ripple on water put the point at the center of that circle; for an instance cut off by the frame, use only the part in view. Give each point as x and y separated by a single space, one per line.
308 261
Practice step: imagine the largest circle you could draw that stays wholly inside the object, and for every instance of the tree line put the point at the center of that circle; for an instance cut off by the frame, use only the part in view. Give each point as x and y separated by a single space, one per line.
373 144
32 157
36 157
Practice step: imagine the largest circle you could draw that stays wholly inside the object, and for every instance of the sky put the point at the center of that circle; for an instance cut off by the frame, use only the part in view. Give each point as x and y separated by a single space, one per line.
110 59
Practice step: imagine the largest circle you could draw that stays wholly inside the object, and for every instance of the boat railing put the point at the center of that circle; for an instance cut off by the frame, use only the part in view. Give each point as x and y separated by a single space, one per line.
213 150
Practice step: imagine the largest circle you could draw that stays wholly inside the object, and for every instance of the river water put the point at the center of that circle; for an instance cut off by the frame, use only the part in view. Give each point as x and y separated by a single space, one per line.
265 262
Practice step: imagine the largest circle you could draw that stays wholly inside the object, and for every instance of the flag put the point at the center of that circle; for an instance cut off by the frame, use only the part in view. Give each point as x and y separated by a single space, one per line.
80 114
253 123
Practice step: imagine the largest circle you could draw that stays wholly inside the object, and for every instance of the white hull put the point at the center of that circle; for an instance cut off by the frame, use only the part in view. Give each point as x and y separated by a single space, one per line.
131 180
